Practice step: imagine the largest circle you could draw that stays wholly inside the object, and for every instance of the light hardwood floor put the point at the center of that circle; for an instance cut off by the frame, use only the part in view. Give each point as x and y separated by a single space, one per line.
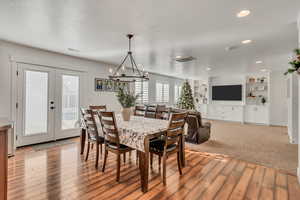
61 173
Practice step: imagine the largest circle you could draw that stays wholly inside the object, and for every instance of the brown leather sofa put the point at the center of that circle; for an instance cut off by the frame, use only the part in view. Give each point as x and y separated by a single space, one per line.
198 132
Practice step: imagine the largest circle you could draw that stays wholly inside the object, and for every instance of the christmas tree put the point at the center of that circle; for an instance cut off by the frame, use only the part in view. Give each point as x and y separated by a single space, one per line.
186 100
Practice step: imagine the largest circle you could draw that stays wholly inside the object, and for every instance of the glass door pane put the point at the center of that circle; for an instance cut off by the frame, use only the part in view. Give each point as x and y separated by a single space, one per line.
36 102
70 102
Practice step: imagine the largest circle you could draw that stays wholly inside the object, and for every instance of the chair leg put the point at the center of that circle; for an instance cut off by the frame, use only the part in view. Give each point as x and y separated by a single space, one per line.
159 163
118 166
151 160
137 157
87 151
101 149
105 158
97 155
179 162
92 146
164 169
124 157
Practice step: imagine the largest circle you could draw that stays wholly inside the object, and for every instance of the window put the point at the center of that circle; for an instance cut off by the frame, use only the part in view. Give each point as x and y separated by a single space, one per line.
177 93
141 89
162 92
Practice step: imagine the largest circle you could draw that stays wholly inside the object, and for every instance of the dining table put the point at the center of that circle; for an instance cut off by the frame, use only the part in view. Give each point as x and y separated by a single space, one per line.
137 133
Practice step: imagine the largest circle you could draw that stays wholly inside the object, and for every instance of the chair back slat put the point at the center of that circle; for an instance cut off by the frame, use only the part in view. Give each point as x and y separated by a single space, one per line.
98 108
108 122
176 124
176 128
109 127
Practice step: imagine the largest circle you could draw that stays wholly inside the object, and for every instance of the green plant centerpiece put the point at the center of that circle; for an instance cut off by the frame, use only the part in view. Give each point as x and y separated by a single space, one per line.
295 63
186 100
127 101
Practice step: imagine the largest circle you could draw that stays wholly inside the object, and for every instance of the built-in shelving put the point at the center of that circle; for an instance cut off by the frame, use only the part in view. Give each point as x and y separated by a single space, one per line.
257 90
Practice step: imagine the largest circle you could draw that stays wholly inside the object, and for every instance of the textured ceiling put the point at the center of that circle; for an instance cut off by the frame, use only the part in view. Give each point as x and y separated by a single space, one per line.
164 30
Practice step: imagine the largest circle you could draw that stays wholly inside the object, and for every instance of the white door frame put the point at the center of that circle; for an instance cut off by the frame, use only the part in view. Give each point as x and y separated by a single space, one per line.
14 89
59 133
20 123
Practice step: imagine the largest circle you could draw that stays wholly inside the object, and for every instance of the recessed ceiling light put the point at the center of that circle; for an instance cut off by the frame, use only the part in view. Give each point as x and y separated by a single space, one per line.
75 50
243 13
263 70
246 41
178 57
259 62
208 68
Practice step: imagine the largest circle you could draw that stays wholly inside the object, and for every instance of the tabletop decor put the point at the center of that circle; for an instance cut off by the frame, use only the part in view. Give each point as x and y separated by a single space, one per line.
295 63
127 101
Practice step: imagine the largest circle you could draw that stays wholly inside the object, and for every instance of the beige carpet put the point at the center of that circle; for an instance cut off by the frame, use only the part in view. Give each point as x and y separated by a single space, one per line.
264 145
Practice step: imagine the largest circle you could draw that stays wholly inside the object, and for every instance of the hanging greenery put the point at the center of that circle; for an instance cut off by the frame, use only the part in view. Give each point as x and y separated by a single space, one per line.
186 100
295 63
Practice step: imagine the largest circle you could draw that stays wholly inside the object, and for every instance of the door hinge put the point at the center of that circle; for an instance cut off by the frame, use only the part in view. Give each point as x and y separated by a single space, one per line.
17 105
17 73
16 137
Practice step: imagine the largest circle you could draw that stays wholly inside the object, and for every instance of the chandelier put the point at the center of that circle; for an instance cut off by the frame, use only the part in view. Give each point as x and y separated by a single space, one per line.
132 75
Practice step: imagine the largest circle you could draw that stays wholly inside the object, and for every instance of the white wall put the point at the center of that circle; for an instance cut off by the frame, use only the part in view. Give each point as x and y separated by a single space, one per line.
278 98
20 53
90 69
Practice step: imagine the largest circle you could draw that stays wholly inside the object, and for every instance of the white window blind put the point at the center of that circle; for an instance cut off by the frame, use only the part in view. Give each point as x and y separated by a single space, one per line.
162 93
177 93
141 89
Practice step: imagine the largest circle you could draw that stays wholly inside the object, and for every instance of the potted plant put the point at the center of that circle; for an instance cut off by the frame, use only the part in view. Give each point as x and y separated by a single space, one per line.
295 63
127 100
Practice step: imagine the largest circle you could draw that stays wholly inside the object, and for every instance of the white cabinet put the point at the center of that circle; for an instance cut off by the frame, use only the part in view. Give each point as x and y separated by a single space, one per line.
258 114
226 112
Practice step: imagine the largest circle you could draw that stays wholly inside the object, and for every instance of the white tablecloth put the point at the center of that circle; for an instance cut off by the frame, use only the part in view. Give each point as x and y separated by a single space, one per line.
133 133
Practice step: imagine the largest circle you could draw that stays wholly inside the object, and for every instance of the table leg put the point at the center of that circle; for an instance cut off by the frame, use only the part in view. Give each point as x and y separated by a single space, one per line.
144 166
82 140
182 152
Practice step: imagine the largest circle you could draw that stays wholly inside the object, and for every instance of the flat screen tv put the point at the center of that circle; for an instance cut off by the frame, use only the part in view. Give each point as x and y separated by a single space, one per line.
227 93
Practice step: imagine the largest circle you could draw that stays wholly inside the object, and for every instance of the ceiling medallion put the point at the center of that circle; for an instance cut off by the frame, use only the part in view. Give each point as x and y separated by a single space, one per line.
132 75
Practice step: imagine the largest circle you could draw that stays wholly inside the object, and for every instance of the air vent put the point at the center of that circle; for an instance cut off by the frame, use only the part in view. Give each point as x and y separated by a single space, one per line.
185 59
230 48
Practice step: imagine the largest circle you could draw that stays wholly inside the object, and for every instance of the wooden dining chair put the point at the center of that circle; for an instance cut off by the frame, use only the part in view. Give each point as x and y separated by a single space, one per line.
150 111
139 110
96 109
170 143
92 132
160 110
112 141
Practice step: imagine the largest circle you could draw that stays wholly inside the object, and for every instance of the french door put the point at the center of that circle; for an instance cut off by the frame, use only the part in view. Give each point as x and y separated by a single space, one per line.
48 104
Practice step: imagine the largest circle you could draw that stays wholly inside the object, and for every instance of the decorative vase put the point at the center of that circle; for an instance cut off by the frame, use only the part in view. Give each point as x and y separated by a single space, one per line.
126 113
